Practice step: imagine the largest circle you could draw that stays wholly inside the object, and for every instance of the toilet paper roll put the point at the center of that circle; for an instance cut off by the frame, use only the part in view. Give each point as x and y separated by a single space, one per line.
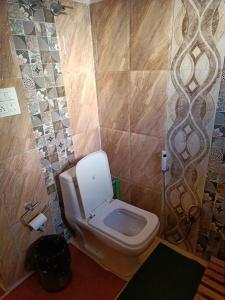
38 221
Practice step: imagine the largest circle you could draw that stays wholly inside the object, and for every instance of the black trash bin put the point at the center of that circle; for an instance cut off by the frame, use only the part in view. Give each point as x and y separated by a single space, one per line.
50 257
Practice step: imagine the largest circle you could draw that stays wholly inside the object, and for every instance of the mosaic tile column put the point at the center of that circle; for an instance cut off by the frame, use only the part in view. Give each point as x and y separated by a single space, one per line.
211 239
35 40
197 53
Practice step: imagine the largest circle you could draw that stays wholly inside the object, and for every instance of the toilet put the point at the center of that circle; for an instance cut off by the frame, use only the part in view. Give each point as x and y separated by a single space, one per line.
88 202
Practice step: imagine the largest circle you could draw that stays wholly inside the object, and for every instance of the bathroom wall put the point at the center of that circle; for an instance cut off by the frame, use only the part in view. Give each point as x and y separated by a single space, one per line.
21 179
77 60
125 71
196 67
211 239
39 143
132 42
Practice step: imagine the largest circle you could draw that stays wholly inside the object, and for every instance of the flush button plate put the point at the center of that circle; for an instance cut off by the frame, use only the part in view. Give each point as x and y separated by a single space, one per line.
9 105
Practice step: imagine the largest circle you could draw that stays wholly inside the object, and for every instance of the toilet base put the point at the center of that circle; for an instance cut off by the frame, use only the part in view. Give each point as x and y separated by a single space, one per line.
110 259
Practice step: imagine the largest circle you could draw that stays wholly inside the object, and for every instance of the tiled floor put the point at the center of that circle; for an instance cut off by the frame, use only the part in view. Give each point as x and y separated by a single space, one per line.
1 292
89 281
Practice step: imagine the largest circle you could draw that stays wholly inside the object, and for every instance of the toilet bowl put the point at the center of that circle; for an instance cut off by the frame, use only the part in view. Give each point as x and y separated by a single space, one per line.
88 202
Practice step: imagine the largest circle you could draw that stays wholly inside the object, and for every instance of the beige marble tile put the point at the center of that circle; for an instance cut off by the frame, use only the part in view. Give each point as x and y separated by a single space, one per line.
16 132
85 143
113 99
148 102
21 182
75 38
147 199
117 146
110 29
146 160
151 33
8 65
8 253
125 191
82 101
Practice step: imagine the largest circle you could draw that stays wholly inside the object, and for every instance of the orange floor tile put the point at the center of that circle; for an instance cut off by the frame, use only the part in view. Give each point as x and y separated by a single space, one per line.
1 292
89 281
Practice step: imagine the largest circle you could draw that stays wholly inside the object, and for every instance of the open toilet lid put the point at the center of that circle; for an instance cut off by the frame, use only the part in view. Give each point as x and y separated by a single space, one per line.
94 181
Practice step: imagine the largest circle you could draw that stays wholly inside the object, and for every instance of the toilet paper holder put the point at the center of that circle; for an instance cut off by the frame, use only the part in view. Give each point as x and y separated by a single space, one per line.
29 208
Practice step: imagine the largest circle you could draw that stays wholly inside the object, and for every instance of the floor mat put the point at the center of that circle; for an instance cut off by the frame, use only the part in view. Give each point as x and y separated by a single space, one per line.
90 281
165 275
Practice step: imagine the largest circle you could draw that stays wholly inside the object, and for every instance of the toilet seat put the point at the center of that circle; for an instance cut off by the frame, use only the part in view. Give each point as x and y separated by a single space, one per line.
100 214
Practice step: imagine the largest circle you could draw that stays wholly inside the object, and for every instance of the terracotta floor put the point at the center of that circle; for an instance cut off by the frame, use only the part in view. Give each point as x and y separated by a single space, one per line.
1 292
89 281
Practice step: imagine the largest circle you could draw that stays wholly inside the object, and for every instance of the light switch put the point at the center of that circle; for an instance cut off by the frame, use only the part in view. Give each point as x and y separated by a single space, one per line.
9 104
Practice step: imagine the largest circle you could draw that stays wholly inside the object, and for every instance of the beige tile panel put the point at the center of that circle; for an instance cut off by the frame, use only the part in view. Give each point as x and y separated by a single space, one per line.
147 199
110 29
16 132
151 28
75 39
8 253
146 160
113 99
148 102
125 190
85 143
117 146
21 181
82 101
8 65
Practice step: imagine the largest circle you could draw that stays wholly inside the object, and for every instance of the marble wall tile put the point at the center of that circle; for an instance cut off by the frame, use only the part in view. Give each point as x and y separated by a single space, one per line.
110 29
133 102
145 198
86 143
146 160
148 102
117 146
151 28
82 101
125 191
75 39
7 250
8 66
21 182
113 99
16 132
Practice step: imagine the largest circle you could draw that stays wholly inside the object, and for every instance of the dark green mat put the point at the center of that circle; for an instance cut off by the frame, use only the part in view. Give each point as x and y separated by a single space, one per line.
165 275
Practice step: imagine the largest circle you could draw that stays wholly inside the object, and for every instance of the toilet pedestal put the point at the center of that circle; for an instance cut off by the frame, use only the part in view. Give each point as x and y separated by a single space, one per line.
116 262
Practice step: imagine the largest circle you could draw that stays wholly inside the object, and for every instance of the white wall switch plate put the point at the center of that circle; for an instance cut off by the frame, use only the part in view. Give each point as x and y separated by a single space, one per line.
9 105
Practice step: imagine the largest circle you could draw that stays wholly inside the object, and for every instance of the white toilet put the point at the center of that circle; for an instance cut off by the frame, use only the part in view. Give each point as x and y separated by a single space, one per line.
88 201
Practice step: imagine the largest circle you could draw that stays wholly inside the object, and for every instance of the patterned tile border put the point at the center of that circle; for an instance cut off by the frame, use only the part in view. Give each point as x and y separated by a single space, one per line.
193 92
211 240
35 41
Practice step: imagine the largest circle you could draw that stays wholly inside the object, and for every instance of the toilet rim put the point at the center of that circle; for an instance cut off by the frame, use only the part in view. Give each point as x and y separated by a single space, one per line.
152 222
